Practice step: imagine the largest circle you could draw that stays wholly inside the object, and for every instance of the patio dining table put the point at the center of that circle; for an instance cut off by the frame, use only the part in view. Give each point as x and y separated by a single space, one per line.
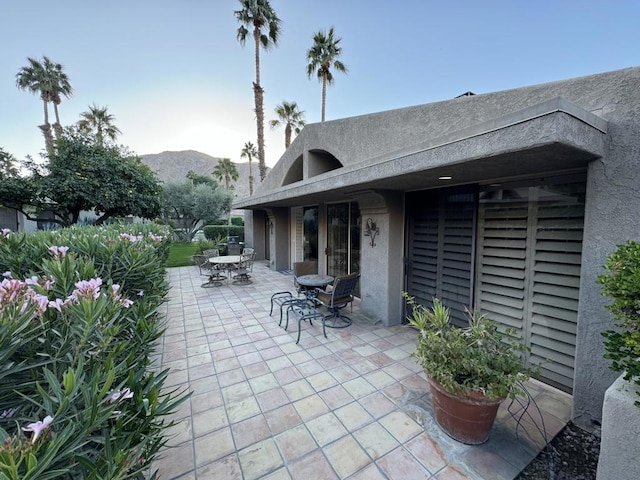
226 262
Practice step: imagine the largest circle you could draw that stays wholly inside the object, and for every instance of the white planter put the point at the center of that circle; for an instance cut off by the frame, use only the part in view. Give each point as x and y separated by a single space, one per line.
620 441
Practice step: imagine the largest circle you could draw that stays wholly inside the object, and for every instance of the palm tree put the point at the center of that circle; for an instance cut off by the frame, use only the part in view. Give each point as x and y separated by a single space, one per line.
99 121
256 16
249 151
291 118
322 56
226 169
47 79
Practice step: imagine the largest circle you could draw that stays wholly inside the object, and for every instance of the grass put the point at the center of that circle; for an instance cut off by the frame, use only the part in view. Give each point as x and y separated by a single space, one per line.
181 253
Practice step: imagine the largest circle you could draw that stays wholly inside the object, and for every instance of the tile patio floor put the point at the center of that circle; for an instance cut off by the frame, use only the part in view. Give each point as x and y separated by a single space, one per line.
352 406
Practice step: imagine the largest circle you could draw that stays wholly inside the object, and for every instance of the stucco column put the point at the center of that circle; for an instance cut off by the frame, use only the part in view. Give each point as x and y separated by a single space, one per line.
381 261
278 233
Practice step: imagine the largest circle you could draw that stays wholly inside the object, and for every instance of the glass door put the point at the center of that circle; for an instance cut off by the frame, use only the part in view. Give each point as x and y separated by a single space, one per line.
343 239
310 233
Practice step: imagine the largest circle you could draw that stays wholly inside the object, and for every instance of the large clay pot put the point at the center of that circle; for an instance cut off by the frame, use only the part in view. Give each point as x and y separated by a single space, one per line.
465 418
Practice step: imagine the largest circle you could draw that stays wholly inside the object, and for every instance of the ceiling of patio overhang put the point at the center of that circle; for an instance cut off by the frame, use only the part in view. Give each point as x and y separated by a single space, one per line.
541 146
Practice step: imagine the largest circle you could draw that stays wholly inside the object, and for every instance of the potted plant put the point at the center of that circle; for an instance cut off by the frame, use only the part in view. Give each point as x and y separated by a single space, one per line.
471 370
621 282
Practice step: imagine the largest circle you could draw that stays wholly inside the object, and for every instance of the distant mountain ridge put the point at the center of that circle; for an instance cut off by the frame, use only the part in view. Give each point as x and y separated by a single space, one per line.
173 167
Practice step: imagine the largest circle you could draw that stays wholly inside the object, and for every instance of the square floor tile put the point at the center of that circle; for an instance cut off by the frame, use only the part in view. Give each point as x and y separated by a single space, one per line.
375 440
326 428
401 426
295 443
310 407
401 465
250 431
346 456
313 466
213 446
336 397
283 418
259 459
353 416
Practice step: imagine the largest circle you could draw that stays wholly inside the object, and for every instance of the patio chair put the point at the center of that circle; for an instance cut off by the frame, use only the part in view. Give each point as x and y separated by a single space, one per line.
216 276
287 299
303 268
248 251
242 273
339 297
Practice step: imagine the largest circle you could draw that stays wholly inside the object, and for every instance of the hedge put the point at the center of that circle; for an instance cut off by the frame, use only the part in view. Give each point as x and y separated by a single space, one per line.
79 323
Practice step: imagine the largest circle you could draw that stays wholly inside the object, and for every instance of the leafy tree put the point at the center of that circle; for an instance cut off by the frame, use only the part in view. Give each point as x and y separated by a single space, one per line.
258 18
47 79
192 205
198 179
226 169
249 151
81 176
323 56
291 118
7 165
100 123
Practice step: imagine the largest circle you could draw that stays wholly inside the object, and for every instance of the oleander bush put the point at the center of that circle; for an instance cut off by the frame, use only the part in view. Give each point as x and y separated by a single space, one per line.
79 322
621 282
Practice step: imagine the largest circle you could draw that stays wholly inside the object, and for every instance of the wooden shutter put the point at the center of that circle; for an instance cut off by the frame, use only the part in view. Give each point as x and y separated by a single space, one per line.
529 254
441 249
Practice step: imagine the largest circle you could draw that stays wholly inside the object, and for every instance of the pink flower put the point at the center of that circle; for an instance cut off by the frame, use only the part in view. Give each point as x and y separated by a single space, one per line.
87 289
126 303
38 427
42 302
58 252
7 274
31 280
5 232
57 304
124 394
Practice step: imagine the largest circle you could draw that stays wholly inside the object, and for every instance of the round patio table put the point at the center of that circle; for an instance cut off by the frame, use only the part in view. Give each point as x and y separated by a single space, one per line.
314 280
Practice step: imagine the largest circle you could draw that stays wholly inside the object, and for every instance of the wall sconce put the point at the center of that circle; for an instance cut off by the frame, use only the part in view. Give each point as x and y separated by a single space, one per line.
371 230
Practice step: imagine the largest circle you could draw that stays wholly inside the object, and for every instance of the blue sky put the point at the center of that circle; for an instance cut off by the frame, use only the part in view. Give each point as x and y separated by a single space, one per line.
175 77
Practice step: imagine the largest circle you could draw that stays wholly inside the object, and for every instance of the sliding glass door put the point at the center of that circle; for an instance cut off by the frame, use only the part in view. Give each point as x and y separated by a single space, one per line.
343 238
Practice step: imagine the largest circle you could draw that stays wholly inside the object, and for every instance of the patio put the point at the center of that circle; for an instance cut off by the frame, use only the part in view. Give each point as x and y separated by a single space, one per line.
352 406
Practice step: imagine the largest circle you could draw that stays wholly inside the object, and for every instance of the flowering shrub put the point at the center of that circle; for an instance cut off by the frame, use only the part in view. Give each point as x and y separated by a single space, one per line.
78 326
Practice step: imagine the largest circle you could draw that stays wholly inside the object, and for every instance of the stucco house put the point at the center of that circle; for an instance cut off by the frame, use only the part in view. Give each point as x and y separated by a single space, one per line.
508 202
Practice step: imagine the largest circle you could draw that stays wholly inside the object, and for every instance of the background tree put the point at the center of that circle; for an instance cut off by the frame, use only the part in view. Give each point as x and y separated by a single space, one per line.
198 179
47 79
249 151
292 119
7 165
255 17
190 205
323 56
226 169
98 122
83 176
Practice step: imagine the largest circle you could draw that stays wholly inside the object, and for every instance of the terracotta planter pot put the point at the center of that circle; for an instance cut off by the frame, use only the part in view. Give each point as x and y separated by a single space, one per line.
465 418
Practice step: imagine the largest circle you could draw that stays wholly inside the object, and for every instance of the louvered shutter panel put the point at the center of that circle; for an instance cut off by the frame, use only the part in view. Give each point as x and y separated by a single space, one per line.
529 254
440 250
555 287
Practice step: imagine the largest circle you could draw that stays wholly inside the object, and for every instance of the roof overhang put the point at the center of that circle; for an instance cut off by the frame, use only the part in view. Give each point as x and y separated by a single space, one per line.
548 137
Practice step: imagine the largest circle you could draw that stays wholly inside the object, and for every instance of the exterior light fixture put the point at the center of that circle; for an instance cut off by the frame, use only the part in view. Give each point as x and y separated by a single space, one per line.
371 230
445 177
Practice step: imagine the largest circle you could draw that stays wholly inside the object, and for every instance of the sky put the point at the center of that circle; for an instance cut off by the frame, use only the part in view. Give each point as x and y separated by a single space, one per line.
175 77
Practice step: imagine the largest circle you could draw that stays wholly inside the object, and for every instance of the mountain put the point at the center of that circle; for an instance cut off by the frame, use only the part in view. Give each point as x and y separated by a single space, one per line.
174 166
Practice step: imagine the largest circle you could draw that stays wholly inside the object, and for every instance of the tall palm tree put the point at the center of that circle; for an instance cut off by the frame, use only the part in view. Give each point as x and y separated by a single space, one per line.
322 56
257 18
249 151
226 169
97 120
47 79
291 118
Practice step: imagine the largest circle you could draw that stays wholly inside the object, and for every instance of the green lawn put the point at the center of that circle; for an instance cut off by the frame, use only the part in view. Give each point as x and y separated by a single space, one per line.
181 253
